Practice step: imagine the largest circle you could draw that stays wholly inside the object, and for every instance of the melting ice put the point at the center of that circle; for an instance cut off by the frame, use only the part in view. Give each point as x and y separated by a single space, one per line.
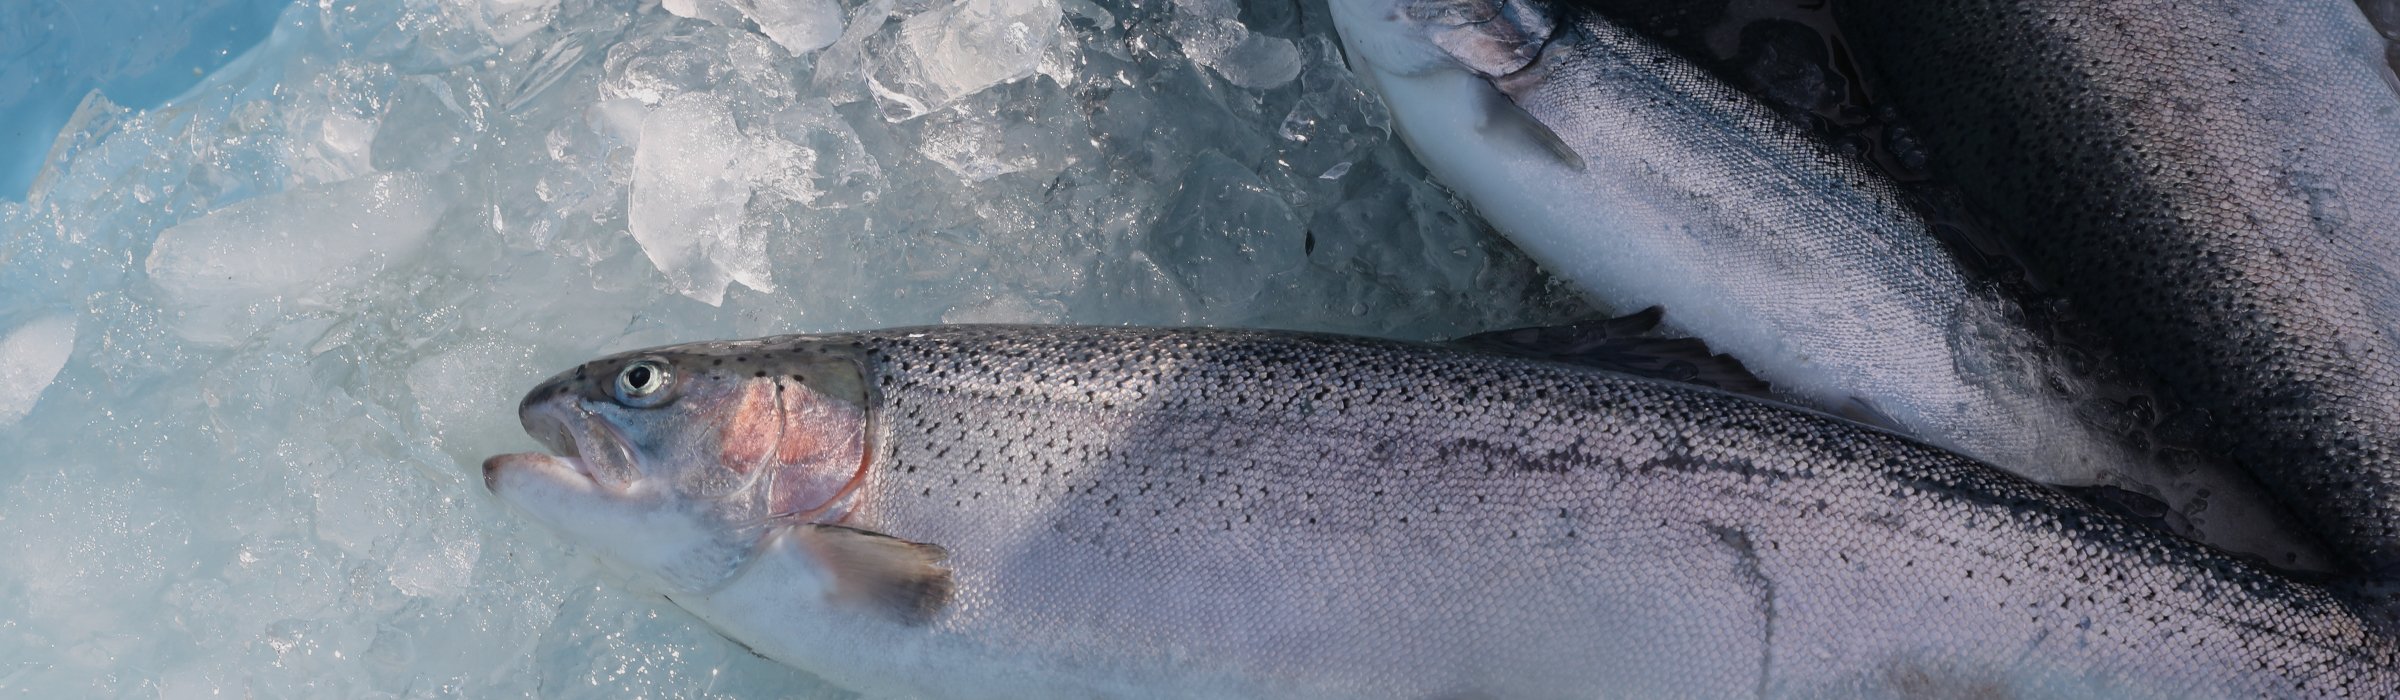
254 341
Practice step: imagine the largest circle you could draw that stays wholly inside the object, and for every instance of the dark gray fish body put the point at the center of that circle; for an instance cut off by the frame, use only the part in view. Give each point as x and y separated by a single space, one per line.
2217 185
1080 512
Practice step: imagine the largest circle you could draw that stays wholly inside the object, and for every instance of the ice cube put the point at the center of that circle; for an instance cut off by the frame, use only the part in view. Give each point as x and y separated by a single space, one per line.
691 183
1212 34
510 21
30 357
970 45
931 58
800 26
716 11
975 149
232 270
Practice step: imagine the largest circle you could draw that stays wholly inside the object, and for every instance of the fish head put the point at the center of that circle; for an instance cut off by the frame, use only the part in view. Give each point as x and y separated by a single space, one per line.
1492 38
671 463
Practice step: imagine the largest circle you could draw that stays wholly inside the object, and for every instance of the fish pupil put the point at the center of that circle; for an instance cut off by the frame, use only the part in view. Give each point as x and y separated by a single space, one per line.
639 378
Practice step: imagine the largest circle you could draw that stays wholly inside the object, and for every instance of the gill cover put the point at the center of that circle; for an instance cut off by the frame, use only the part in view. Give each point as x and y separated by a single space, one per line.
1499 41
1491 37
805 439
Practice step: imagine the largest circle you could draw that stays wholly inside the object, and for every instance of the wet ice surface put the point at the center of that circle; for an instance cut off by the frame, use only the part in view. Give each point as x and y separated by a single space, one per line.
30 357
253 343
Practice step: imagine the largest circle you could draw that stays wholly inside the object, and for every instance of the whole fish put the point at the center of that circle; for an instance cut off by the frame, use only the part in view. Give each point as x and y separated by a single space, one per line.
1062 512
1648 182
2217 184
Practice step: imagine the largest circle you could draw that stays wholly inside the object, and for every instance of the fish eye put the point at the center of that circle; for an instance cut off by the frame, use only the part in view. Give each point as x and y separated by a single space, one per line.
643 383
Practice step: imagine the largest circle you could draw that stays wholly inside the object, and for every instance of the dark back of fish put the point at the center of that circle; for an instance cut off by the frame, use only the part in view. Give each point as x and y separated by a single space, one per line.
2217 184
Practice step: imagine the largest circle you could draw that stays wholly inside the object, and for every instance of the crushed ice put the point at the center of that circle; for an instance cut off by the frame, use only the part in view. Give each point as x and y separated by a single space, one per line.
254 342
30 357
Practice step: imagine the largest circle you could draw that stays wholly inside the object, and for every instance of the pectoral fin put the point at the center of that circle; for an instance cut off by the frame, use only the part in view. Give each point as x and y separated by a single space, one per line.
880 572
1503 119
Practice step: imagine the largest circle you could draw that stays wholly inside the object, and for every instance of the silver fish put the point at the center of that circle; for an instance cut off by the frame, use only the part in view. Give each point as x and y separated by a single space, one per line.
1648 182
1055 512
2217 184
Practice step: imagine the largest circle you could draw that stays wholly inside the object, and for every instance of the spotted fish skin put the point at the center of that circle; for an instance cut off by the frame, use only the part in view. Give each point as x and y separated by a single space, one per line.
2217 184
1758 238
1218 513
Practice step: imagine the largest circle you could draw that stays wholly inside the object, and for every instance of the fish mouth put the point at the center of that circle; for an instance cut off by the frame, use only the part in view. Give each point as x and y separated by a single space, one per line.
552 432
576 438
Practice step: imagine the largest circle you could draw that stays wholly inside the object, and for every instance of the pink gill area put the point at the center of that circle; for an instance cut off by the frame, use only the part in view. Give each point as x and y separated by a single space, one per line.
811 447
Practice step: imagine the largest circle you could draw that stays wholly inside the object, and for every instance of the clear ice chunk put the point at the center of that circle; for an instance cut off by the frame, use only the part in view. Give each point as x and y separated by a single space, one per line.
1213 35
235 268
510 21
691 183
800 26
30 357
916 62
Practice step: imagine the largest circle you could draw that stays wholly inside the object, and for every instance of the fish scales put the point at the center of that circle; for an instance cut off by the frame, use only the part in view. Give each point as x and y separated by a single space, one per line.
1753 235
1203 513
2217 183
1757 237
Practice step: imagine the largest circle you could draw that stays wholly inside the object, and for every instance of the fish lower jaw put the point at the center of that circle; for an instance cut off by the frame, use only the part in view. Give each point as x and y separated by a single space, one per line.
495 468
581 467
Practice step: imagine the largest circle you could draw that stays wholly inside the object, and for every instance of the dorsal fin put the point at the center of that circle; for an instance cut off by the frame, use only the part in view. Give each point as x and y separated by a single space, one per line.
1624 344
2136 506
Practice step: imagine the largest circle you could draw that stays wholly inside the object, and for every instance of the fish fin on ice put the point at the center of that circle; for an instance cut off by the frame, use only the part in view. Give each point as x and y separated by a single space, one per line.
879 571
1624 344
1503 119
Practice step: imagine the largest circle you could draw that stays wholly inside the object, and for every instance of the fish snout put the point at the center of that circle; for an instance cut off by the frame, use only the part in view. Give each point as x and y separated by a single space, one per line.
541 413
556 415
